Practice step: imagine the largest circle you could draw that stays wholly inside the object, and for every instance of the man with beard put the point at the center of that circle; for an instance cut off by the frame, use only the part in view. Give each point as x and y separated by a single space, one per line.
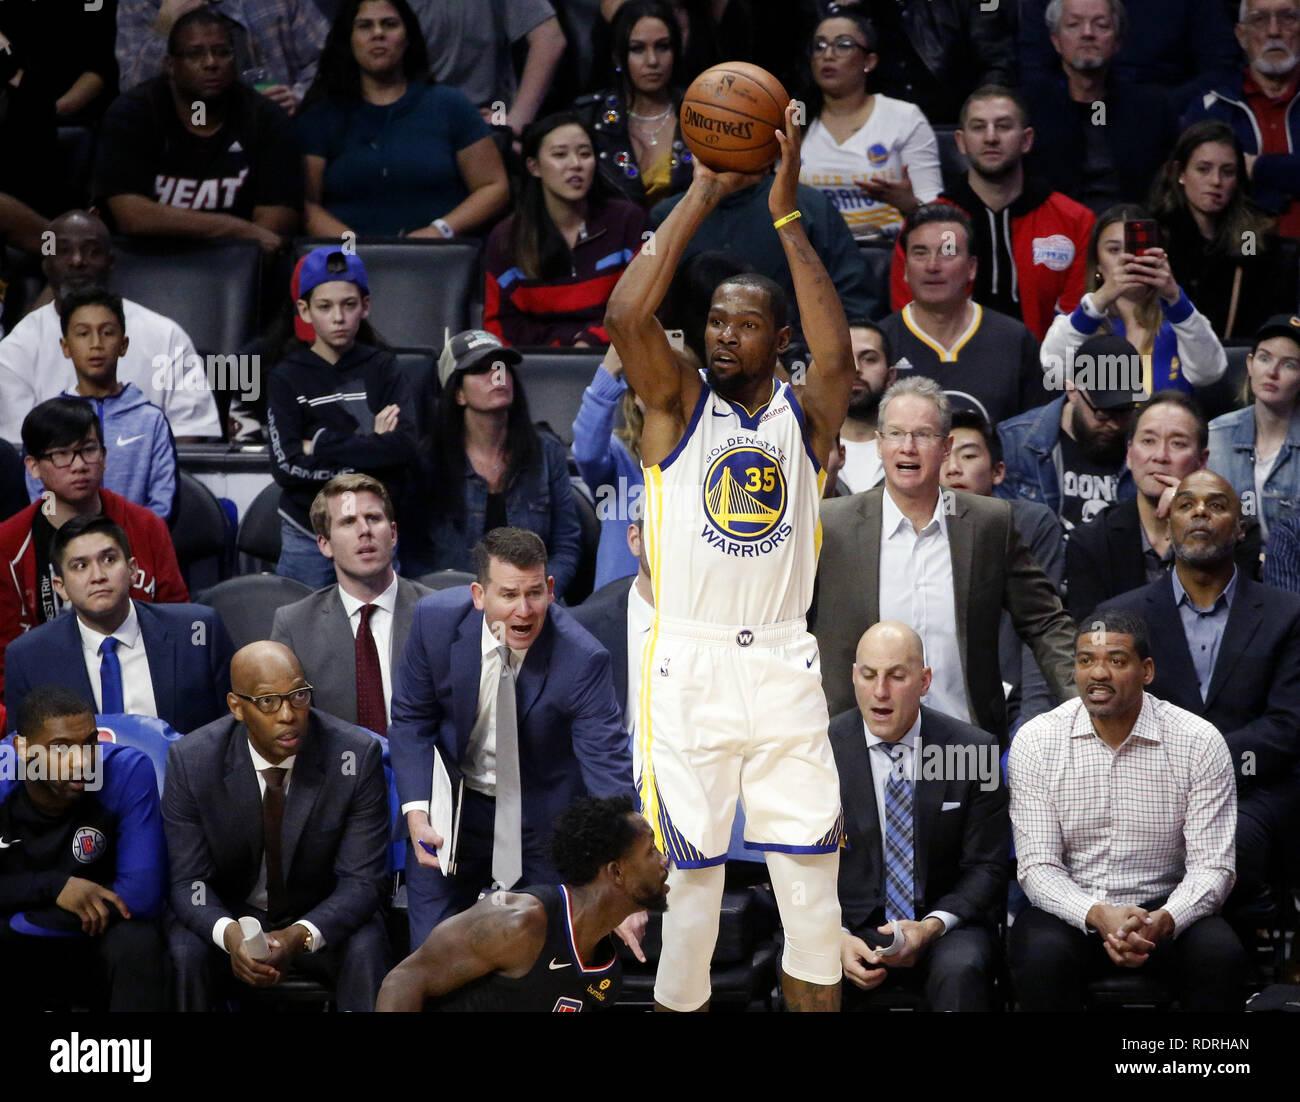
1228 649
1258 106
1031 242
1070 453
873 374
196 154
529 950
33 367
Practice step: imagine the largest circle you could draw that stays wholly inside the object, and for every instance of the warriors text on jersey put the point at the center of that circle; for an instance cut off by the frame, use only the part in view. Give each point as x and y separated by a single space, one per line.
731 529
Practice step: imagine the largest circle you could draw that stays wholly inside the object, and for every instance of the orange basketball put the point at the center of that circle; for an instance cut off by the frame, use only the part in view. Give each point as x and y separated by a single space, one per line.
730 114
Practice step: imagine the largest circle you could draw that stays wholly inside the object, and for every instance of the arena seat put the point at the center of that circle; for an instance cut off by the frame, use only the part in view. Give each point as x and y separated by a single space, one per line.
209 288
419 289
446 579
148 734
247 604
1225 395
420 365
952 163
554 379
258 535
1128 991
877 256
580 588
200 533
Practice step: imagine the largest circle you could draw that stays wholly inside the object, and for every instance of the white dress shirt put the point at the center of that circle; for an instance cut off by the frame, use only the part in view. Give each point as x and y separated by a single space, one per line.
880 770
137 683
257 898
481 757
381 627
640 616
916 589
1156 817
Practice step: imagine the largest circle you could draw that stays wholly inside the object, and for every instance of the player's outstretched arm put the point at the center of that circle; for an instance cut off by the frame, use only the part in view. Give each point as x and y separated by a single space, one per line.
502 933
829 381
668 389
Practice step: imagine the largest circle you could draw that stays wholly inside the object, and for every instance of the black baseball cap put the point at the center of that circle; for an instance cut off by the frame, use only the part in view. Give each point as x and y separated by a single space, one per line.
1108 369
1279 325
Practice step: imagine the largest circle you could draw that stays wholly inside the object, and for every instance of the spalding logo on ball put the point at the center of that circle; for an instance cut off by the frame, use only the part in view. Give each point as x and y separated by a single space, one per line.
730 115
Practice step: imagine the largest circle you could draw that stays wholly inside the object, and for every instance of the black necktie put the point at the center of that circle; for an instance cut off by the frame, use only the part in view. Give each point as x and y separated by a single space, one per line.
272 820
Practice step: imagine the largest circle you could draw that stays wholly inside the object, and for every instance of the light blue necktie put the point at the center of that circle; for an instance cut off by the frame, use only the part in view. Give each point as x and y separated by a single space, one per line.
110 679
898 847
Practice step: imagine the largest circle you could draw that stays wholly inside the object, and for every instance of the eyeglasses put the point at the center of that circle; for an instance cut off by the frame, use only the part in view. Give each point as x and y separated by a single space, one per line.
1120 414
273 702
922 438
198 53
838 48
90 454
1288 19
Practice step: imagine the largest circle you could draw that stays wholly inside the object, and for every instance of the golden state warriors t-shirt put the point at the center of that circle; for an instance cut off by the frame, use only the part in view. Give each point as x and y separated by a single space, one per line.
896 133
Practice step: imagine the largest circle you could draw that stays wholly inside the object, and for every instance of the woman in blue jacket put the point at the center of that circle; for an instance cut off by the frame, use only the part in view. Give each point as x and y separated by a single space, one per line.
489 467
1257 448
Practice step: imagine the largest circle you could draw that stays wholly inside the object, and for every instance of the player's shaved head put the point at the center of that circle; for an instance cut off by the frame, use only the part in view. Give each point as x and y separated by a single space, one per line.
261 663
890 637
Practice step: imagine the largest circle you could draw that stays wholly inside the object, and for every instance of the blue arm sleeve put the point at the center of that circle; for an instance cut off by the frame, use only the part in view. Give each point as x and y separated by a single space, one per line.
162 469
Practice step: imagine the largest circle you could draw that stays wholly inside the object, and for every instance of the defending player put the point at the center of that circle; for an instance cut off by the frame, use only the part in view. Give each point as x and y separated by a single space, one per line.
731 698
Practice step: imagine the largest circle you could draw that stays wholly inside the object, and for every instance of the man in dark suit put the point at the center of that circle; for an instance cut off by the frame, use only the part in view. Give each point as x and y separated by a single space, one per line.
947 565
929 838
527 738
350 636
1127 546
166 660
279 812
1228 649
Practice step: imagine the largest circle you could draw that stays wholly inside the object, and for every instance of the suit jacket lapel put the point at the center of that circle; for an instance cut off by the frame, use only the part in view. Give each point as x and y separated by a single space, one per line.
927 798
532 674
1243 621
332 646
403 618
467 659
304 788
856 779
243 798
70 644
1165 623
160 648
961 549
869 561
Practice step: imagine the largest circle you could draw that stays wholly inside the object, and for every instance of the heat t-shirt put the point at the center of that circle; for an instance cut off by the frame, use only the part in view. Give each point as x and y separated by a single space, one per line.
252 161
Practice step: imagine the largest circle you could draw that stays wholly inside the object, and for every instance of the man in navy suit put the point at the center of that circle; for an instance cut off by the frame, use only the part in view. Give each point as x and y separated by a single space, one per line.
1228 649
528 738
166 660
929 837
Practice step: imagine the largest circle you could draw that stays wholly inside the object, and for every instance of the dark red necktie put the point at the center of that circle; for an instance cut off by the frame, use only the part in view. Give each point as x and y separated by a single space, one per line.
370 682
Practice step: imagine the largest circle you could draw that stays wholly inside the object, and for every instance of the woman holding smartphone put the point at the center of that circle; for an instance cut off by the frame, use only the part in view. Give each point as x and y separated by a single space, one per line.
1132 292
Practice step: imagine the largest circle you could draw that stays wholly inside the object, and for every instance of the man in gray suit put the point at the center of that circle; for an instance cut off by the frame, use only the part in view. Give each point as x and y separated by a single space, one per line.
944 564
349 636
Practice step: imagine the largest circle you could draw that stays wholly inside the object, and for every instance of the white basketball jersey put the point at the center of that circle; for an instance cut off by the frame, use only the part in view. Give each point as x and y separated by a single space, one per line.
732 526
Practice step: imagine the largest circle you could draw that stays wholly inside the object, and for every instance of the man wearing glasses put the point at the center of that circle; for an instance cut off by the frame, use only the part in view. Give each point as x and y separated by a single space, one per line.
1257 105
195 154
1069 454
277 812
945 564
65 450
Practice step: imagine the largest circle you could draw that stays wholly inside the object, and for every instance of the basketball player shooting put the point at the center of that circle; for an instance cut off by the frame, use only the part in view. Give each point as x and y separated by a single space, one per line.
731 699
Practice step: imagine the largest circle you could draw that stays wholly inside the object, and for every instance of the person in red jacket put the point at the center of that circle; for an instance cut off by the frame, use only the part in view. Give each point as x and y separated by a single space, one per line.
64 447
1030 241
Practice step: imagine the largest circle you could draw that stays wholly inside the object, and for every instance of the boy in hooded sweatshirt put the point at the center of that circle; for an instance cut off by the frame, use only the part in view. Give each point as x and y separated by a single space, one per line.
335 406
139 449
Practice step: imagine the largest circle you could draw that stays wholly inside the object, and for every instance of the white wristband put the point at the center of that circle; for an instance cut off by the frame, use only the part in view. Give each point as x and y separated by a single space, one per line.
440 224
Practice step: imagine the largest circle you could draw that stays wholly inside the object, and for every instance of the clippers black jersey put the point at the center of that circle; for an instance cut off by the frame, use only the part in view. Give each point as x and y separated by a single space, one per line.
558 982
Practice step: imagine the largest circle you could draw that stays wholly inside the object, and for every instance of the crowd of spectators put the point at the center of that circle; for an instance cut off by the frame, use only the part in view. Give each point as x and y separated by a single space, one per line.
977 185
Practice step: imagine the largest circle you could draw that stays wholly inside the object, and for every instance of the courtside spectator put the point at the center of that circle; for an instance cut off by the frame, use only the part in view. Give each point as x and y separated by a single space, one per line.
65 450
1257 449
141 464
13 484
488 467
1257 103
1182 45
336 406
1282 563
985 360
1223 250
160 361
277 42
1069 454
1138 298
1128 544
1030 241
387 151
471 48
608 455
875 157
634 121
873 374
196 154
551 265
81 897
1100 138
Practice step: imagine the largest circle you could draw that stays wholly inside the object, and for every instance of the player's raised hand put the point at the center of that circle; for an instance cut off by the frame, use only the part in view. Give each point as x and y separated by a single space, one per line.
784 196
719 184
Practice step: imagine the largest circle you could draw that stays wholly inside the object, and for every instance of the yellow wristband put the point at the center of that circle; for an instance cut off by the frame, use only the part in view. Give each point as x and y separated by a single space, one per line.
788 218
